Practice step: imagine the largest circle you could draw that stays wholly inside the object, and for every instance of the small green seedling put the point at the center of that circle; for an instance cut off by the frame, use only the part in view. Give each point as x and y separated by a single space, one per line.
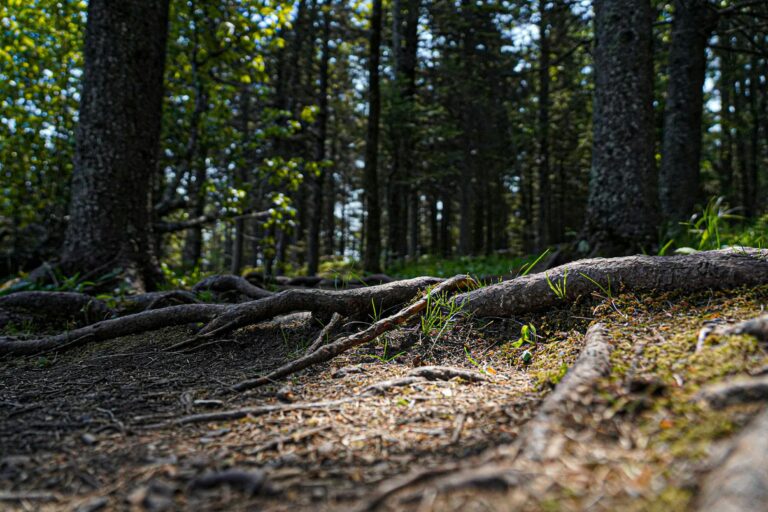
526 357
606 290
558 288
527 336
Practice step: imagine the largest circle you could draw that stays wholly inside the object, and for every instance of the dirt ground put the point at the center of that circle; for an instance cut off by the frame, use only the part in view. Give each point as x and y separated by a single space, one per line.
93 429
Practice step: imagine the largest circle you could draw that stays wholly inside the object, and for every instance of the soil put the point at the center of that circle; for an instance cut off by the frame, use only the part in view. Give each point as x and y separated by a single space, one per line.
93 428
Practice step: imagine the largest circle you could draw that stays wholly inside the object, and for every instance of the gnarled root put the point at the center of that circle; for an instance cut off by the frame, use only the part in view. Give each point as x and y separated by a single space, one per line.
328 352
225 318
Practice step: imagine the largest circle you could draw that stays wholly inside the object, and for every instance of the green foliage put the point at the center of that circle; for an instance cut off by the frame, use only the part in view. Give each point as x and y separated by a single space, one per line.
40 65
605 289
715 227
63 283
527 336
559 287
441 312
476 266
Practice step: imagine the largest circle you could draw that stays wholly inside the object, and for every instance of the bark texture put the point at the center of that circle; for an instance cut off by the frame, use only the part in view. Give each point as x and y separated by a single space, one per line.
727 268
621 212
679 188
372 249
117 141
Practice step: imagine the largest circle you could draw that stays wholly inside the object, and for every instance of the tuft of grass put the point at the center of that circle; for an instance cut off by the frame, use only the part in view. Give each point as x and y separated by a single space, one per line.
558 288
441 312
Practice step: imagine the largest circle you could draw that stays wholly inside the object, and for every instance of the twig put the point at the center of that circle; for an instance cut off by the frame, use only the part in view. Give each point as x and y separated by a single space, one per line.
236 414
328 352
321 338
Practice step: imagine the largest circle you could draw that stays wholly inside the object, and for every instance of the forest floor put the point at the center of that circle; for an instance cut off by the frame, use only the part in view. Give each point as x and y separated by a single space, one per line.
93 428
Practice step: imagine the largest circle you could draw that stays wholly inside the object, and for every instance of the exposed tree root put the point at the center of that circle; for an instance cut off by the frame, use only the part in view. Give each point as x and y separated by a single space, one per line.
224 318
115 328
537 442
737 391
155 300
50 307
740 484
328 352
225 283
757 327
717 270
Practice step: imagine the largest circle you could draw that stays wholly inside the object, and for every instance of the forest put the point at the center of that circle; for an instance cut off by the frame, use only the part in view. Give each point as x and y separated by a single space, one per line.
383 254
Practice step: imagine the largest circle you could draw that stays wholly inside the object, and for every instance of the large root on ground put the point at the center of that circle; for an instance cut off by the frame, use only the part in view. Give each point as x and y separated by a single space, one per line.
51 307
716 270
224 318
331 350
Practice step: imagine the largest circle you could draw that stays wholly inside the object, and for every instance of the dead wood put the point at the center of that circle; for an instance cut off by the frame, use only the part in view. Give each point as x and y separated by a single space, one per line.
225 283
447 373
325 333
383 386
740 484
328 352
536 440
717 270
738 391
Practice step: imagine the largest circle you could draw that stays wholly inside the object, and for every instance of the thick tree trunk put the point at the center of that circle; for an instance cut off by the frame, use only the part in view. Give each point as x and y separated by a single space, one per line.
679 185
621 213
117 141
372 250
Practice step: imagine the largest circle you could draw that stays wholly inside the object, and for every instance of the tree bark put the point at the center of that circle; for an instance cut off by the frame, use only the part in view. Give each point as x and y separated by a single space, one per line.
545 191
679 184
117 141
621 211
372 250
313 242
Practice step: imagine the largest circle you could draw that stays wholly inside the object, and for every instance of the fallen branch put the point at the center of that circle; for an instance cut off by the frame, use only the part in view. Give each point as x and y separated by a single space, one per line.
447 373
325 333
716 270
328 352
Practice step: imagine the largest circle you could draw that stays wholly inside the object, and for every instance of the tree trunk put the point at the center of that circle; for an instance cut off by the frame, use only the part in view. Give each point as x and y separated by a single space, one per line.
545 191
679 184
372 253
117 141
621 212
313 242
